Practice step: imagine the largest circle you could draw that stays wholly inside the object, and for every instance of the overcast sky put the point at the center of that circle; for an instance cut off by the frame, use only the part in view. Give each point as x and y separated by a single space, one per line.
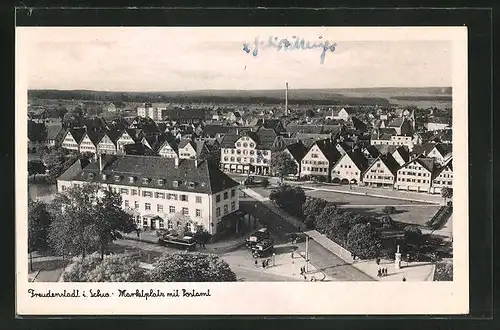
173 59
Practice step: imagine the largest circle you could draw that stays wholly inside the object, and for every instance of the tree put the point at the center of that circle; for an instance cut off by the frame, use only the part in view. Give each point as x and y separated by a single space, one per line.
289 198
87 219
57 161
413 235
389 209
35 167
282 164
313 206
364 241
180 223
37 132
116 268
39 220
111 220
446 193
191 267
324 219
265 182
61 112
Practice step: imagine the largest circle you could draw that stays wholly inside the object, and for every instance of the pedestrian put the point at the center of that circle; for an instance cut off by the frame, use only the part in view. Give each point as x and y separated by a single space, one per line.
291 255
138 233
263 264
377 261
379 273
385 271
256 263
404 279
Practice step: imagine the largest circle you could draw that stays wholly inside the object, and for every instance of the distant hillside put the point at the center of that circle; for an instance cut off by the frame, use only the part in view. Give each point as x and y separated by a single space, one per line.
358 96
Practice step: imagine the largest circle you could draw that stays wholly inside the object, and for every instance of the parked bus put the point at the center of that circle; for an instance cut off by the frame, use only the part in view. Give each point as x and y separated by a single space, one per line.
187 242
256 237
263 249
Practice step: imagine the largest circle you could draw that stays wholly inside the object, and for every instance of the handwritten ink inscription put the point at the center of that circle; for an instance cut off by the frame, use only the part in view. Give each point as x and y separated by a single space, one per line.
295 43
122 293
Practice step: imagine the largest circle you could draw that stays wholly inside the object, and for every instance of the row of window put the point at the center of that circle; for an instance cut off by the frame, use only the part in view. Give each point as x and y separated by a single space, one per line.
378 177
160 195
226 209
159 208
414 173
316 169
245 145
315 162
347 173
413 180
245 160
245 152
226 195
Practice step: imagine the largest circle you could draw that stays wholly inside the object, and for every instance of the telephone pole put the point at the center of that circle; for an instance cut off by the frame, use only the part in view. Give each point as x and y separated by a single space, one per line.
307 254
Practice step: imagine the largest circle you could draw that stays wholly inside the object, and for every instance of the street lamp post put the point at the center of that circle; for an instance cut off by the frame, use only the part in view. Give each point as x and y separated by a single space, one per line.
307 254
274 257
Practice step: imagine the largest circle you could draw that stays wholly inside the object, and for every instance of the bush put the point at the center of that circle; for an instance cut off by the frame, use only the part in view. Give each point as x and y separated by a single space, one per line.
444 271
389 210
289 199
265 182
364 241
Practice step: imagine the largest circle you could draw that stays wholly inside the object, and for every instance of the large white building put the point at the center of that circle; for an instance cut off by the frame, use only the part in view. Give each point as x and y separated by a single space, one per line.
157 189
250 152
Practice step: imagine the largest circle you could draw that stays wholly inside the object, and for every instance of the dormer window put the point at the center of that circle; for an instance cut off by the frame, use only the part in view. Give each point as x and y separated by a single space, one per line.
203 184
191 184
175 184
131 179
117 178
145 180
161 182
91 176
104 176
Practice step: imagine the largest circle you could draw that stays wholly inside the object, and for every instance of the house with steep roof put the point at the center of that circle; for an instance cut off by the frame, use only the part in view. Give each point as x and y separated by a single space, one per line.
107 144
127 136
401 125
274 124
73 138
319 160
349 168
55 133
401 155
297 151
389 136
190 149
381 172
441 152
250 152
416 175
443 177
156 190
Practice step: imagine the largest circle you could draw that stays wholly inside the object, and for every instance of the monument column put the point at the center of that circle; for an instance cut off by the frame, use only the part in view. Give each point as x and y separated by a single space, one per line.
397 259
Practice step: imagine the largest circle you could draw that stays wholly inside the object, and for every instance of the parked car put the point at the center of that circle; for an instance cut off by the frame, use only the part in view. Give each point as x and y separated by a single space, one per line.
257 237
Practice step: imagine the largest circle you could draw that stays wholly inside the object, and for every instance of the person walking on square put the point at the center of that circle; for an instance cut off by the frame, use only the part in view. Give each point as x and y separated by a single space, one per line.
377 261
256 263
379 273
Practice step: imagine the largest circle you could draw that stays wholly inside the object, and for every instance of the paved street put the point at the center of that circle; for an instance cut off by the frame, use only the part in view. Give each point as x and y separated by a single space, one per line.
320 257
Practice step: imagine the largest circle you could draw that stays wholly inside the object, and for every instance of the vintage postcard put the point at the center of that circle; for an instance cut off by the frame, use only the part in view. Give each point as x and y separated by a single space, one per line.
240 171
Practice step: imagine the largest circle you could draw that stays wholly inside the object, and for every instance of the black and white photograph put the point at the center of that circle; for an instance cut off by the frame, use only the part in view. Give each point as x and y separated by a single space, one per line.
163 163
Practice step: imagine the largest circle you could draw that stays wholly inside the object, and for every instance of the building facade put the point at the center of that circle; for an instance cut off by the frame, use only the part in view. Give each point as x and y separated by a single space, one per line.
382 172
159 191
319 160
443 177
349 168
415 175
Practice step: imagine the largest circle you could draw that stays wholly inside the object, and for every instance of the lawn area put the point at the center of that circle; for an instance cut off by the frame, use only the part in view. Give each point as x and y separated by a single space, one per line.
417 215
343 199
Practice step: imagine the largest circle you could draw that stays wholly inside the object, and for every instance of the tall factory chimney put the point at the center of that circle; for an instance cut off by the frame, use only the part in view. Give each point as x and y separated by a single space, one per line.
286 99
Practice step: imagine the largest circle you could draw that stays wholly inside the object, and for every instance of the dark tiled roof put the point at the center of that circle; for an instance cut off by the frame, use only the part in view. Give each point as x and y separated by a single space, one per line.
423 149
298 150
390 162
329 150
206 177
77 134
403 152
272 123
53 131
73 170
179 114
444 148
373 151
439 169
427 163
358 124
396 122
138 149
384 149
314 129
215 129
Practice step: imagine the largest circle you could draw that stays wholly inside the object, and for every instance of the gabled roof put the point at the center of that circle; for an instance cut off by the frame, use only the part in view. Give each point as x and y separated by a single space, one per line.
384 149
138 149
357 158
403 152
77 134
358 124
216 129
328 149
372 151
439 169
298 150
388 161
53 131
272 124
206 177
423 149
95 136
74 169
425 162
179 114
444 149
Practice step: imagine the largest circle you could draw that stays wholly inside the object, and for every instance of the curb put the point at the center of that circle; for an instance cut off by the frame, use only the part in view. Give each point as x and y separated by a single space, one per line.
377 195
